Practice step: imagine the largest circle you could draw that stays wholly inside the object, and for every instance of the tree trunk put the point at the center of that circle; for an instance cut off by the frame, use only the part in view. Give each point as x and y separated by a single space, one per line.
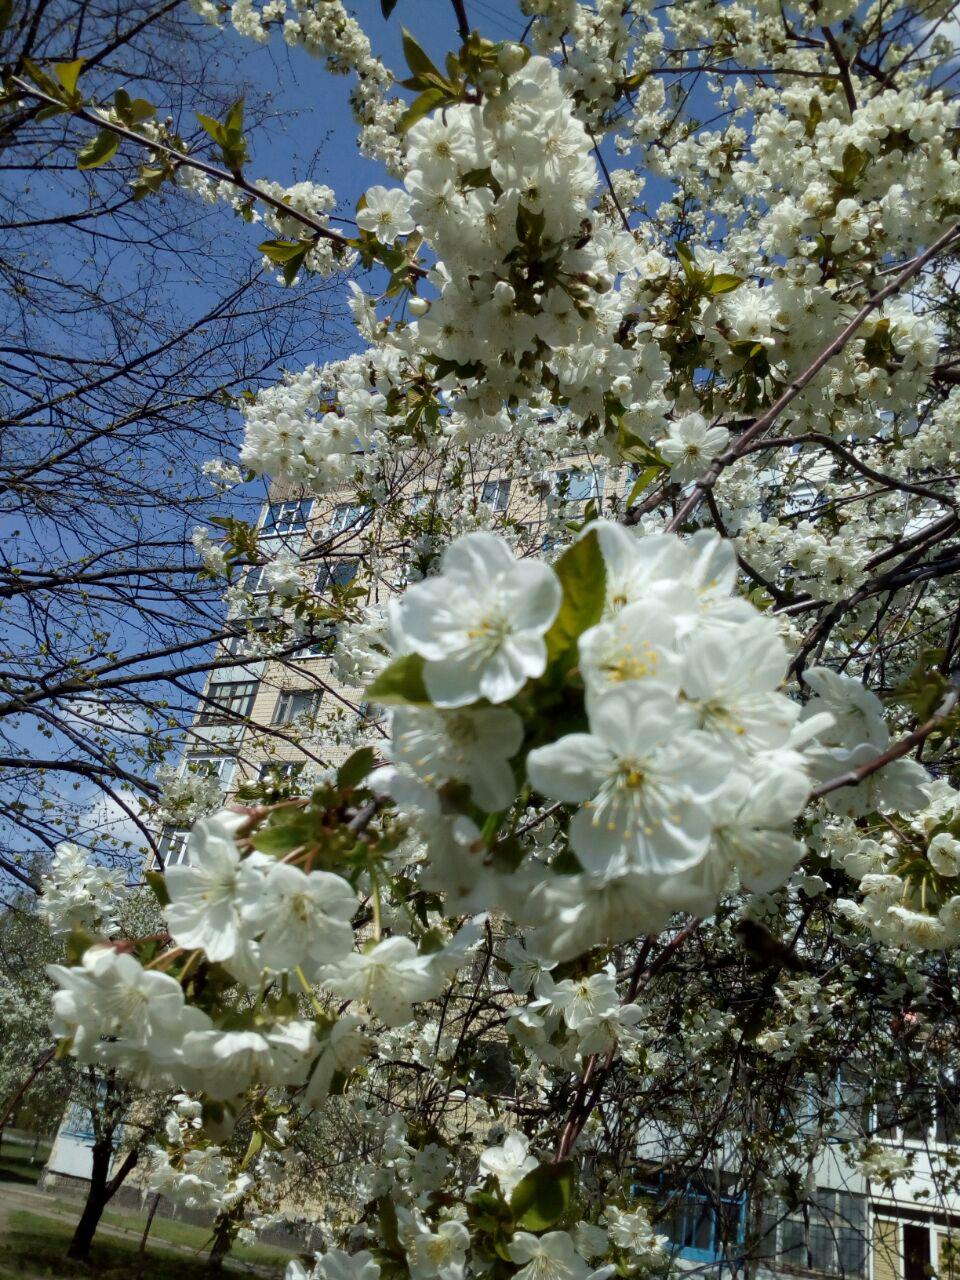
142 1251
221 1247
102 1189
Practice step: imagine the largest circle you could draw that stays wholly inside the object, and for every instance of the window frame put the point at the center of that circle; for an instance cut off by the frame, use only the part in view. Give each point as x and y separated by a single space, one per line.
329 569
219 759
285 518
213 710
496 493
341 519
287 699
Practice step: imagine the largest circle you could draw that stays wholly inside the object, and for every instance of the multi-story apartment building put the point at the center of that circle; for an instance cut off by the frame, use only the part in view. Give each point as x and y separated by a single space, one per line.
269 717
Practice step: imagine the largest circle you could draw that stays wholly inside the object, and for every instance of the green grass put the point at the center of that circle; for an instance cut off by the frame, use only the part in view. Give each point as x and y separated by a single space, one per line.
15 1165
199 1238
33 1247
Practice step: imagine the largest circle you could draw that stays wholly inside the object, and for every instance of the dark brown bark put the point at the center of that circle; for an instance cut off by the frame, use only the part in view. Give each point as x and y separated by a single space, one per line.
102 1190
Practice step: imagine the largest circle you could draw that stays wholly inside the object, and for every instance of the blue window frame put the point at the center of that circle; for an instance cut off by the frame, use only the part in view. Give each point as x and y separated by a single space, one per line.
702 1226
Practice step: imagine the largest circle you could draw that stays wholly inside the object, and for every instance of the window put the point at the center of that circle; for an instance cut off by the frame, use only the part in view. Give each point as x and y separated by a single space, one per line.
703 1225
173 846
948 1106
320 646
346 515
287 517
213 766
828 1234
226 699
577 486
336 573
296 702
254 581
496 494
276 769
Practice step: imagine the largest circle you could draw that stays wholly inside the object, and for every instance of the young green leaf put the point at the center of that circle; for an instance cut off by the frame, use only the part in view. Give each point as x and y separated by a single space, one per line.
401 682
422 105
642 482
584 579
417 58
98 151
543 1197
356 767
68 73
157 882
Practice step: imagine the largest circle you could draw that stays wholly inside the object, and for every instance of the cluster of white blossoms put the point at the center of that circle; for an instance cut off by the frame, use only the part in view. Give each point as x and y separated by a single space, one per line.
78 893
257 917
184 797
442 1246
907 871
190 1170
687 769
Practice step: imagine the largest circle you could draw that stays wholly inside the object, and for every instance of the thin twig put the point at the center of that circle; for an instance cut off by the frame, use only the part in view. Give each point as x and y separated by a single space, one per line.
833 348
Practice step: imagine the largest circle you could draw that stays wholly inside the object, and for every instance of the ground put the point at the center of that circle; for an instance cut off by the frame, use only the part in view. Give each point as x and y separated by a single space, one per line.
35 1229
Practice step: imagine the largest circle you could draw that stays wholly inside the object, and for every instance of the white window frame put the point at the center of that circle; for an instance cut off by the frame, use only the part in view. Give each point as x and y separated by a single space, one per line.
496 493
285 518
349 515
590 474
223 767
236 705
327 573
284 712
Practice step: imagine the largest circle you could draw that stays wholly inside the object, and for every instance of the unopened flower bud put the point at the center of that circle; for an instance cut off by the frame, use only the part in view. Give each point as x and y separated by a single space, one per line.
488 81
511 58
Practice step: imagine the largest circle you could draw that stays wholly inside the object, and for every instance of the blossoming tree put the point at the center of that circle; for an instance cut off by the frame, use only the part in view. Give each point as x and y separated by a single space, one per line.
660 830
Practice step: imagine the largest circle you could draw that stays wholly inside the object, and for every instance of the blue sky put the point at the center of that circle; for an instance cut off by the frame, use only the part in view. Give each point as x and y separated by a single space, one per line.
312 103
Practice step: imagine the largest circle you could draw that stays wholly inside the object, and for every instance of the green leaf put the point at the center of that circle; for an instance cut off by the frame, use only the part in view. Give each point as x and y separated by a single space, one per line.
854 162
583 577
148 182
642 482
401 682
68 73
281 251
387 7
353 770
421 106
254 1146
97 152
417 58
289 254
157 882
724 283
289 830
40 78
543 1196
234 118
213 127
688 262
78 942
140 110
